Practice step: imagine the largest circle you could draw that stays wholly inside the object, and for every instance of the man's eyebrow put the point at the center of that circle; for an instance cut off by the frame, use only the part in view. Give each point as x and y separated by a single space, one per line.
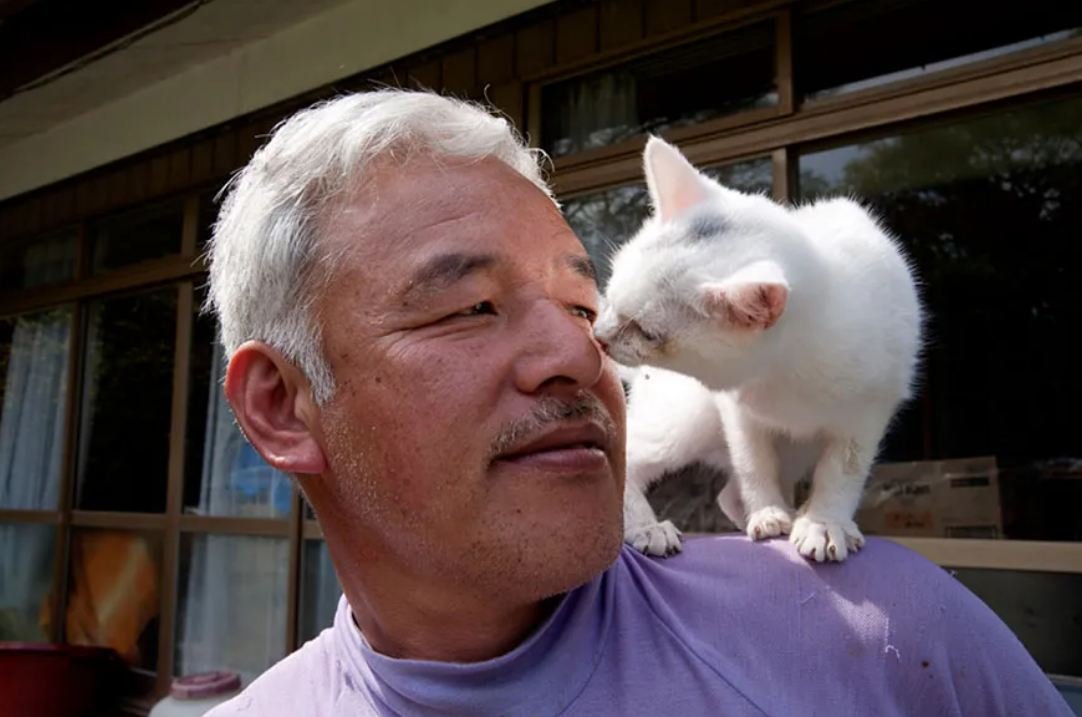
582 265
445 270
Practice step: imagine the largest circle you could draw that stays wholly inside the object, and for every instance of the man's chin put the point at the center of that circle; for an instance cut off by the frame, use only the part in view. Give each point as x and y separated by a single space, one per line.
584 557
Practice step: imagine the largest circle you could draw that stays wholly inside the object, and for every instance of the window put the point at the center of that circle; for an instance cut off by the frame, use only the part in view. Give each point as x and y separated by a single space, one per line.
127 397
902 39
38 262
33 397
988 209
138 235
114 593
145 474
232 613
673 88
27 551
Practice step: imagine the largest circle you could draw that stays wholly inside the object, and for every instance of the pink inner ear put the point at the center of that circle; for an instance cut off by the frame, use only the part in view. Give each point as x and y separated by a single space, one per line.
747 306
675 186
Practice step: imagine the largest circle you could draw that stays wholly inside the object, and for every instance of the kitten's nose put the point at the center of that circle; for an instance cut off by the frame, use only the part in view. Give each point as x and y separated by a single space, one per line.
602 343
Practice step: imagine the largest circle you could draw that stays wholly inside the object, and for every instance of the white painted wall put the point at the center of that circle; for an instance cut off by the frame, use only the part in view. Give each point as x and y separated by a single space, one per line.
326 47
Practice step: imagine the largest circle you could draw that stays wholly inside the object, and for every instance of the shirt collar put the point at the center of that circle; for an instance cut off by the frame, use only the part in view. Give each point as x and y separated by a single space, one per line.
542 676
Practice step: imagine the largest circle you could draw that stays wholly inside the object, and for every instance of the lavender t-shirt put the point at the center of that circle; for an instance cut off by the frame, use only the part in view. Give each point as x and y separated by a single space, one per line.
726 628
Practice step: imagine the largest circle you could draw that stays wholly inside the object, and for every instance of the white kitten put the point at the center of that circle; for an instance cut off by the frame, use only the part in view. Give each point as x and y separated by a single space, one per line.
806 324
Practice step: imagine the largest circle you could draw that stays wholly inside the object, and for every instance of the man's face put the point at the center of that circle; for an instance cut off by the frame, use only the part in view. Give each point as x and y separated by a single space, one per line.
477 433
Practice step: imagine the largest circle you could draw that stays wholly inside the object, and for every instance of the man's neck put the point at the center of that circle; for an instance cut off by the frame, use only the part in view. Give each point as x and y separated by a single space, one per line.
466 633
407 615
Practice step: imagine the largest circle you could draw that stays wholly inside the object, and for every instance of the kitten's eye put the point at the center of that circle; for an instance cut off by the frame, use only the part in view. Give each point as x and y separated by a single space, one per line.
481 308
648 336
586 313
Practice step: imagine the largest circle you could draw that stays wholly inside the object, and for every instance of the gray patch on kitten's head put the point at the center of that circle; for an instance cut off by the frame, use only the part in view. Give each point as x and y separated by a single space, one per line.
705 226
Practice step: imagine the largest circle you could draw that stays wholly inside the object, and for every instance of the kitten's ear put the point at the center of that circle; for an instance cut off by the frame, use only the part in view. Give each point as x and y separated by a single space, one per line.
753 298
675 186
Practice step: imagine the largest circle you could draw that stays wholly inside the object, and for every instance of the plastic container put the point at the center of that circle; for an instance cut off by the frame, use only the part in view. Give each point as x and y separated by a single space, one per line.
50 680
194 695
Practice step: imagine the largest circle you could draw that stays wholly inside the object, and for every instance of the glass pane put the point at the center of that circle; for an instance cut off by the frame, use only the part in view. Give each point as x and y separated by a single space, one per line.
127 396
989 211
33 394
26 576
232 609
899 40
200 387
114 584
672 88
38 261
319 590
1043 610
137 235
606 219
231 478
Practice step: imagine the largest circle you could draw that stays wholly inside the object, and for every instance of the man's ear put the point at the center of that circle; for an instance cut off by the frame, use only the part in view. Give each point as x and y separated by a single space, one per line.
273 403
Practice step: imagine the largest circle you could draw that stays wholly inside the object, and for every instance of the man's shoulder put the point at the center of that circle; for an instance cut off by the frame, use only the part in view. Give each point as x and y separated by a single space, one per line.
734 559
728 590
886 624
305 682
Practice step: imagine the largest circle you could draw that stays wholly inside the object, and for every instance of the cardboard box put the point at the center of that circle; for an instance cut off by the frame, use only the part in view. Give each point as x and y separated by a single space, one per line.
956 498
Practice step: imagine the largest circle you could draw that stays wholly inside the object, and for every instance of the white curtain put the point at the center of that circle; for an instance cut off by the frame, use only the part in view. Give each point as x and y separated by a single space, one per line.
32 416
233 605
602 110
31 436
236 480
233 602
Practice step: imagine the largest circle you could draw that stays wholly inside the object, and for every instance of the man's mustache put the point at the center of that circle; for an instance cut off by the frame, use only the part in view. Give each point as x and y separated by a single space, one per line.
550 410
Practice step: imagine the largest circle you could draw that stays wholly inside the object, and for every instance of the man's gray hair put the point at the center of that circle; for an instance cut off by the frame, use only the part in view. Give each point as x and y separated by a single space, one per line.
266 265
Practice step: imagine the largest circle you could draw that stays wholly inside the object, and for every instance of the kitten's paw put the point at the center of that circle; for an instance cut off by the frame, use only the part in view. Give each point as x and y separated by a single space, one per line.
661 539
821 540
768 522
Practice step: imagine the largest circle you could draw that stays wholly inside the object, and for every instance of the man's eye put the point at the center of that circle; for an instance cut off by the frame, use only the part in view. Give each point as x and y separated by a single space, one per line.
586 313
479 309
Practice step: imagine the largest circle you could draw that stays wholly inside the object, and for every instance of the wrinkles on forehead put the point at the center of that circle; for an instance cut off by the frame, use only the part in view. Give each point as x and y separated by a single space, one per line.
387 208
386 228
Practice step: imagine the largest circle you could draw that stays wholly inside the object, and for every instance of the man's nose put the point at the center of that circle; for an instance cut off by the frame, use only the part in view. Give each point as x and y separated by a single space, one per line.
559 351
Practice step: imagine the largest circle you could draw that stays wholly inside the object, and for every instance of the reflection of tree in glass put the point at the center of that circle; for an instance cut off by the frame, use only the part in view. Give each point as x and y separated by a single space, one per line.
989 210
129 390
605 220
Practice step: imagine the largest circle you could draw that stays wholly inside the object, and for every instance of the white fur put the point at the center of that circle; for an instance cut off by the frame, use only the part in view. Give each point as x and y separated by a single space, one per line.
827 354
265 259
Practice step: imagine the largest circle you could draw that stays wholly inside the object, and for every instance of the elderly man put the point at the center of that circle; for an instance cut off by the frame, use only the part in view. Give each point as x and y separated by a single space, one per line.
409 324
